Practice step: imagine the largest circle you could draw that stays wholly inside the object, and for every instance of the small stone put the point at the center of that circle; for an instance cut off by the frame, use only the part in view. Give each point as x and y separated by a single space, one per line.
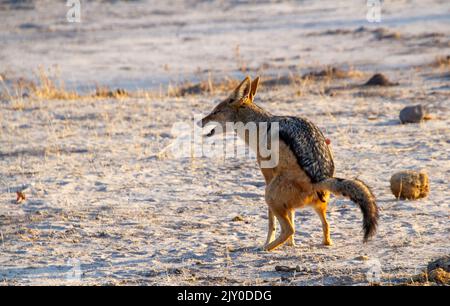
237 218
175 271
165 135
413 114
379 79
438 271
286 279
180 210
410 185
231 249
284 269
443 262
362 258
103 235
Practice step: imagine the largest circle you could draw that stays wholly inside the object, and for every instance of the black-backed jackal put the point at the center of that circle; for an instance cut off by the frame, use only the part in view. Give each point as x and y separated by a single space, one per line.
304 174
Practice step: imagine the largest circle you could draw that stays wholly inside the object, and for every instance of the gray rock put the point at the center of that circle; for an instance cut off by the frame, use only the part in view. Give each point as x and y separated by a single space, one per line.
379 79
412 114
443 263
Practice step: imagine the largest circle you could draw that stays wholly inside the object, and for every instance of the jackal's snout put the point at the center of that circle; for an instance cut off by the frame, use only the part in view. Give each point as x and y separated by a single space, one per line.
202 122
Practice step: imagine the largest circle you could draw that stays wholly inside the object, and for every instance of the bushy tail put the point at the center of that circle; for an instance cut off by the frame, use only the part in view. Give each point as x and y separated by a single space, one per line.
359 193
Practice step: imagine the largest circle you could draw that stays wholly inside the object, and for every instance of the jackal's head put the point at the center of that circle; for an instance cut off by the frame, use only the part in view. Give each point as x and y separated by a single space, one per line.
228 110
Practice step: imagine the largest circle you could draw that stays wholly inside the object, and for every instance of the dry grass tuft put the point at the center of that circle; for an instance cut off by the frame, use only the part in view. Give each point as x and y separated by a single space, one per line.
207 86
50 89
50 86
441 62
106 92
330 73
46 87
241 65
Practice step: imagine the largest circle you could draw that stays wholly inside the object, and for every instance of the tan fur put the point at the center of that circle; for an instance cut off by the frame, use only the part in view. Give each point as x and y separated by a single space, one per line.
288 187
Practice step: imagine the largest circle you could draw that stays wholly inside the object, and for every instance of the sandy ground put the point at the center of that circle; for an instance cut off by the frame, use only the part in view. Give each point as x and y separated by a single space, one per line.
104 204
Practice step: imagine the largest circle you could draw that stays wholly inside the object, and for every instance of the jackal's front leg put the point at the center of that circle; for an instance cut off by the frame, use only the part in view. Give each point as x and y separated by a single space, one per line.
287 230
271 227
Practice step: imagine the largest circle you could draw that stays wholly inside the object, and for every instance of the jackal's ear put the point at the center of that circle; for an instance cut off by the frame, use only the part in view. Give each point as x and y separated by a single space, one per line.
243 90
254 88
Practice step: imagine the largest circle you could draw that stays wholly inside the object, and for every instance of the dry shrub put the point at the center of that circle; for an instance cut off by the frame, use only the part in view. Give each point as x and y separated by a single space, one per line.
208 86
334 73
47 88
106 92
437 276
441 62
410 185
240 63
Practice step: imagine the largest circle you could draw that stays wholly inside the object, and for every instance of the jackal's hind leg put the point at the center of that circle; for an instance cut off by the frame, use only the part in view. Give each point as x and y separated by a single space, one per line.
291 241
321 210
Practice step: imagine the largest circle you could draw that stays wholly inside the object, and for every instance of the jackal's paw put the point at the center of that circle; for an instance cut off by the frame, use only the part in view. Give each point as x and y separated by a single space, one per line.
291 243
267 247
328 242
